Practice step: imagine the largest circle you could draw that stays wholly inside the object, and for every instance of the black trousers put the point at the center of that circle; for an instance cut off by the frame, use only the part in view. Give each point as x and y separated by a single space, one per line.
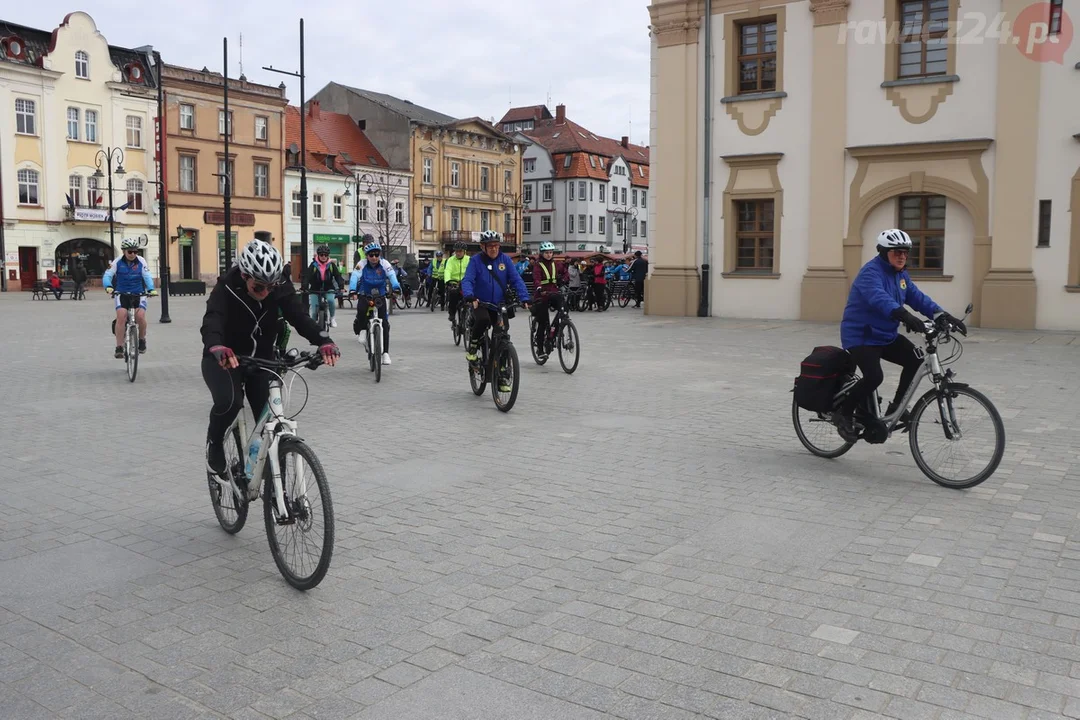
540 312
599 290
900 351
639 291
228 388
481 321
453 299
361 321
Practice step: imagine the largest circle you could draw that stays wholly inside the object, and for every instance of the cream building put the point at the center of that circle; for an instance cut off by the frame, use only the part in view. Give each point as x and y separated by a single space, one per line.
67 95
825 128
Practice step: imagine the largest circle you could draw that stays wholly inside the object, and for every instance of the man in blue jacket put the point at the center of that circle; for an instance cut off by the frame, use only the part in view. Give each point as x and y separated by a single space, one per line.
489 274
875 309
128 274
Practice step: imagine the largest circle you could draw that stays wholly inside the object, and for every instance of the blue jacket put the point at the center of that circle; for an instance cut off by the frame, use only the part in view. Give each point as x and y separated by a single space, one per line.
479 283
125 277
371 280
878 290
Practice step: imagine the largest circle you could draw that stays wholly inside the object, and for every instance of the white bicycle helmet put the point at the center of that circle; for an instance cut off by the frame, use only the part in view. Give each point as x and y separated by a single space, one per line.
489 236
372 246
893 240
261 261
130 244
547 247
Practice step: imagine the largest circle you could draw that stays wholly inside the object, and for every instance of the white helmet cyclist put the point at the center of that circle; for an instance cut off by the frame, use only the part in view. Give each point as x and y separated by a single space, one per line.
130 244
261 261
489 236
894 239
547 247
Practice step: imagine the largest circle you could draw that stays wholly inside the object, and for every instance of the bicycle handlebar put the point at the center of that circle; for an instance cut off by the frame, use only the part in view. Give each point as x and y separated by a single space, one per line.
311 359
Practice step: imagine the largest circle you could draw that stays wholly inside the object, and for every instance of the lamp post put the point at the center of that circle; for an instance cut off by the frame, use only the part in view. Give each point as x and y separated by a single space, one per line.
513 200
627 211
351 183
108 155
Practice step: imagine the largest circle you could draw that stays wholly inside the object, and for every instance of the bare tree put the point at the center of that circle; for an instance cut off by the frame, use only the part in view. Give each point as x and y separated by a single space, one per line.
390 222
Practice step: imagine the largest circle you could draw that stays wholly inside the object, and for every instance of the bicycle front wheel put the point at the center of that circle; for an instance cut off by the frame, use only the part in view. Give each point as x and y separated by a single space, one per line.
569 347
231 513
131 352
977 442
477 370
817 433
302 542
376 354
624 296
506 376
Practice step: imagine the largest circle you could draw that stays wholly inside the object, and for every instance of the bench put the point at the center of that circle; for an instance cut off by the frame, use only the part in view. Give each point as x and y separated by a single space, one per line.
187 287
43 291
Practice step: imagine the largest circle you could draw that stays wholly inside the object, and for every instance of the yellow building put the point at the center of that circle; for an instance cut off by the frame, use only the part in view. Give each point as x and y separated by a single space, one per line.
195 122
68 98
466 173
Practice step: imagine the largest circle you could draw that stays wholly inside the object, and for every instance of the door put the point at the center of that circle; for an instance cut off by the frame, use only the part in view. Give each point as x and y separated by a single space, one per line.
187 262
28 265
296 267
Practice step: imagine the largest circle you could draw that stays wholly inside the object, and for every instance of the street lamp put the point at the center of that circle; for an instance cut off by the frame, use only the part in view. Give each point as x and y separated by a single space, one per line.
351 183
108 155
513 200
228 231
626 211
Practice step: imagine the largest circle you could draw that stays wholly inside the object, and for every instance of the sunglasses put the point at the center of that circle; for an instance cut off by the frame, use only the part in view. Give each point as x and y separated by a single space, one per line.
373 254
130 252
259 287
901 252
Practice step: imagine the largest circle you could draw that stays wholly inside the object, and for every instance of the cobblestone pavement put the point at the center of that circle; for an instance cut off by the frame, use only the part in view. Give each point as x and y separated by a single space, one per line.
643 539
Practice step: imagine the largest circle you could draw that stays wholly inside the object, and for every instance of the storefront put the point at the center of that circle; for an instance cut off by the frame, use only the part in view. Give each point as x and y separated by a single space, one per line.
338 244
94 255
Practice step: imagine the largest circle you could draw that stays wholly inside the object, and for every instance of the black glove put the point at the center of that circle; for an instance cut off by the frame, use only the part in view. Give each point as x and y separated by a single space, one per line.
912 322
955 322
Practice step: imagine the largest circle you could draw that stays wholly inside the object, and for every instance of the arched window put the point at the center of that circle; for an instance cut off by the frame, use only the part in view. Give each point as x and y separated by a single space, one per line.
82 65
135 195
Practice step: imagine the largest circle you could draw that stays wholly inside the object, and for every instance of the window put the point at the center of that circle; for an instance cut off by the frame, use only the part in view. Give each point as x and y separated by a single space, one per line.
590 191
337 207
545 225
262 180
633 224
592 160
601 223
566 161
399 212
643 229
297 205
380 211
1044 224
92 197
581 189
923 218
571 223
507 177
526 193
602 189
28 187
757 56
485 178
530 165
1055 16
262 128
429 217
547 192
82 65
581 223
363 203
73 123
221 122
224 170
644 193
135 195
602 166
526 225
633 197
590 224
506 224
455 174
427 171
623 197
923 45
455 219
187 173
90 117
187 116
75 190
616 226
754 236
316 206
134 131
485 220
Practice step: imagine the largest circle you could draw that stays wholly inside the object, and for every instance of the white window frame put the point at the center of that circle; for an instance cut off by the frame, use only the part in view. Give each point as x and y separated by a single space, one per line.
546 192
485 220
545 225
187 111
567 160
581 223
82 61
526 225
339 213
29 186
399 212
643 234
191 172
581 189
455 218
264 127
633 197
429 217
73 123
603 193
91 191
297 204
363 209
527 193
90 120
133 131
230 170
485 179
428 168
572 223
601 224
221 122
572 185
530 165
623 203
75 189
455 174
136 189
26 116
316 206
380 211
264 191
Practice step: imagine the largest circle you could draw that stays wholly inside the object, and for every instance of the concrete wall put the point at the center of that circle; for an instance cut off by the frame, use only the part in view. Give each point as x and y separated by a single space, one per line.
387 130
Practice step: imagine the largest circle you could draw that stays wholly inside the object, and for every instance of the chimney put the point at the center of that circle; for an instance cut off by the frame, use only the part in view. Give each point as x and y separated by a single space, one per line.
560 114
313 109
625 141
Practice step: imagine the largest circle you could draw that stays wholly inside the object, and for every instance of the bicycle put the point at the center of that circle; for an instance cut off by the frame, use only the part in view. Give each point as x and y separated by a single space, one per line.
323 316
497 362
374 344
287 503
626 293
130 302
945 396
561 334
458 322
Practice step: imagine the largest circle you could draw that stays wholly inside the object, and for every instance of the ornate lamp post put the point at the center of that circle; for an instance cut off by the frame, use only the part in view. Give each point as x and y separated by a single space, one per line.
108 156
627 211
513 200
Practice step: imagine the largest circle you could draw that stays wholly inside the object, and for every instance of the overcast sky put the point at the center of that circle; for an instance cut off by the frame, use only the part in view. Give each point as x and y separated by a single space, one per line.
460 57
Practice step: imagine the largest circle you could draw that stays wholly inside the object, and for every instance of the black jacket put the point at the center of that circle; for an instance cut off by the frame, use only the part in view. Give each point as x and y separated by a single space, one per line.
639 270
333 279
79 275
249 327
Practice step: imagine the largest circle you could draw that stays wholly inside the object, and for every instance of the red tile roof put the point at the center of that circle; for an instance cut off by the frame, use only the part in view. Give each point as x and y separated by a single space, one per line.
532 112
582 165
639 175
569 137
336 134
316 148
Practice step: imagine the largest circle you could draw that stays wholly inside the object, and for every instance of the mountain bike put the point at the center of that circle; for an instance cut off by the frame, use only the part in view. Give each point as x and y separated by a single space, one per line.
965 422
374 344
497 360
293 484
323 316
626 293
130 302
563 335
461 320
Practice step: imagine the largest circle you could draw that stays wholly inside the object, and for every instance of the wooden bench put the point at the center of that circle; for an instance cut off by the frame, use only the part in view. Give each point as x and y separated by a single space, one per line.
187 287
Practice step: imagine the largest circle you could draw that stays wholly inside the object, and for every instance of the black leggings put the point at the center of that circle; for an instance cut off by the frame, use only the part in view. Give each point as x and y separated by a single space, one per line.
599 291
481 321
361 321
453 299
540 311
900 352
227 388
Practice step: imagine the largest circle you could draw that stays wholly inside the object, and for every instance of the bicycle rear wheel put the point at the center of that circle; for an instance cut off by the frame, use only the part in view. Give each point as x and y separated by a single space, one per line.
455 327
569 347
376 354
478 369
624 296
399 302
817 433
977 444
131 351
231 513
505 368
309 528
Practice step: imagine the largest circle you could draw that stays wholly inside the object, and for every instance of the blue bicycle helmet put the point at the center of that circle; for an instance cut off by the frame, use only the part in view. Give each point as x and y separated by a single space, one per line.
372 246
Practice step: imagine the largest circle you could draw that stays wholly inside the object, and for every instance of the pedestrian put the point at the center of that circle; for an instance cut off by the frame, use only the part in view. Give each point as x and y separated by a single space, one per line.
78 275
599 285
55 284
639 269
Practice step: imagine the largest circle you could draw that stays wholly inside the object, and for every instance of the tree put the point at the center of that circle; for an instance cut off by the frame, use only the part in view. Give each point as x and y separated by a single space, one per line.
389 223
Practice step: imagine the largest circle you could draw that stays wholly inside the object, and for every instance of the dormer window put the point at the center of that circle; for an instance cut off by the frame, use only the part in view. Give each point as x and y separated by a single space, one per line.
82 65
134 72
13 47
330 162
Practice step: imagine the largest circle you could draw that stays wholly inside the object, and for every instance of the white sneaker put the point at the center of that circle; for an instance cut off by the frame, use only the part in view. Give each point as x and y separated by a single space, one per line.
333 322
386 358
362 337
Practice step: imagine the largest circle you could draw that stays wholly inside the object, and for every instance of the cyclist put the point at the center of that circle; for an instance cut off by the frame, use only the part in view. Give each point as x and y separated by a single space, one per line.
438 285
129 273
242 318
324 281
454 273
547 276
403 279
488 276
369 282
869 329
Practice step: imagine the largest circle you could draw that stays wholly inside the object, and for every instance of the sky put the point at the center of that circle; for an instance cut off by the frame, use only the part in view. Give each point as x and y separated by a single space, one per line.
463 58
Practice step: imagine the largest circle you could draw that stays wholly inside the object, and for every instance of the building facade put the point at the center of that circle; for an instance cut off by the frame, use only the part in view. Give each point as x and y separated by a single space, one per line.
196 166
466 174
582 191
69 98
831 120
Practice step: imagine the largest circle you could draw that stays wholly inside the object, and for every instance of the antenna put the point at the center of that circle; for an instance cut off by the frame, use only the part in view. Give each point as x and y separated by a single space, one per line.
241 53
549 94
